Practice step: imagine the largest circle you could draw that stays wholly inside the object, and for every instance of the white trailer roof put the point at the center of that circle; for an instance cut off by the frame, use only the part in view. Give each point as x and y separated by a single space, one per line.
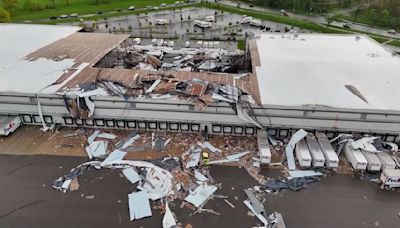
358 155
313 70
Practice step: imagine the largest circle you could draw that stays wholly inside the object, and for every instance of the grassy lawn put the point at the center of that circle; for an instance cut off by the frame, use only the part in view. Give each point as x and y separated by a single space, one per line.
81 7
395 43
241 44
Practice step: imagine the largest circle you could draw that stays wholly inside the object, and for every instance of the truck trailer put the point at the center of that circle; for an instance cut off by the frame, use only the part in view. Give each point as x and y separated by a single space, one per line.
318 159
373 162
355 157
390 178
387 160
8 124
263 147
303 154
331 158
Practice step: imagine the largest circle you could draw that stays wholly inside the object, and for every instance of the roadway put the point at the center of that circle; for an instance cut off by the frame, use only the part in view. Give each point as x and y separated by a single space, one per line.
320 19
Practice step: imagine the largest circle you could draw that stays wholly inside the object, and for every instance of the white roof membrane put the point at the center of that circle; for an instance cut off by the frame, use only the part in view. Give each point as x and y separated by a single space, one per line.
314 69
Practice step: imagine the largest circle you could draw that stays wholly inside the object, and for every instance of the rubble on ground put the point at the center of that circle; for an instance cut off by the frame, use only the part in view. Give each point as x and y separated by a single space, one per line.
163 178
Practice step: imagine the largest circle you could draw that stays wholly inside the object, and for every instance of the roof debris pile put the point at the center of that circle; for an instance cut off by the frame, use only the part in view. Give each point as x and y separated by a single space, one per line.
161 180
151 57
255 204
160 86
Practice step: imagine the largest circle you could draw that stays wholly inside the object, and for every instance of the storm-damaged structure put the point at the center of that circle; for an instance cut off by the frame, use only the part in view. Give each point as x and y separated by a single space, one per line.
282 82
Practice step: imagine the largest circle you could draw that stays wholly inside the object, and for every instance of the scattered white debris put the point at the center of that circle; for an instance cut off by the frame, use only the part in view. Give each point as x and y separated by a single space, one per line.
116 155
194 160
211 147
93 136
97 149
229 203
303 173
139 205
89 197
200 194
131 175
66 184
130 141
259 216
299 135
230 158
168 220
199 176
106 136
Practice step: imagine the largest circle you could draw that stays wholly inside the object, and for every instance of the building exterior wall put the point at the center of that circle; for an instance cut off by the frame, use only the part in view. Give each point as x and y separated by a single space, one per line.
116 112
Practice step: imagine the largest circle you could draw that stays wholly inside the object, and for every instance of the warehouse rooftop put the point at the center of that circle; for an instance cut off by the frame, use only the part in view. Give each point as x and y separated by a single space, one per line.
46 57
340 71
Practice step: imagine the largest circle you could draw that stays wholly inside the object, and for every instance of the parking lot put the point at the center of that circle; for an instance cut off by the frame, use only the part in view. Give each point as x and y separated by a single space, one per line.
180 26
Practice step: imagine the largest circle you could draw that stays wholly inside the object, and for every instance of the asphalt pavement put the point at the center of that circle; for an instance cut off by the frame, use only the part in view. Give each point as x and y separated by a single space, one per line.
27 199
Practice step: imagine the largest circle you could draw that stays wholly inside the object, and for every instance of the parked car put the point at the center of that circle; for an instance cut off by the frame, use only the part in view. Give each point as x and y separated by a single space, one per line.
73 15
391 31
53 18
163 4
346 26
284 13
131 8
210 19
99 12
160 21
63 16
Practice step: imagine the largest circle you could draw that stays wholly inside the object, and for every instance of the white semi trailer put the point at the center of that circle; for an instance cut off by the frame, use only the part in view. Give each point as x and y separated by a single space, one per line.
318 158
387 161
331 158
263 147
8 124
390 178
303 154
355 157
374 164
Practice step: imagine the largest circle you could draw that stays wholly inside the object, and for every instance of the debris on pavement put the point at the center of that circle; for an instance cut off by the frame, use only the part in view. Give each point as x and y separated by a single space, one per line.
139 205
200 194
303 173
229 203
293 184
89 197
299 135
131 175
168 220
116 155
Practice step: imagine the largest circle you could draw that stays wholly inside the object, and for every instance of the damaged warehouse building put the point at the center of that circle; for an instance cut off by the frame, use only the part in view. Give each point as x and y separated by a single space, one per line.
330 83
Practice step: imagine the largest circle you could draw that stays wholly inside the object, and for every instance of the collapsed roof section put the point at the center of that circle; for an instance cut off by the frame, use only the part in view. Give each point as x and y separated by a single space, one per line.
161 58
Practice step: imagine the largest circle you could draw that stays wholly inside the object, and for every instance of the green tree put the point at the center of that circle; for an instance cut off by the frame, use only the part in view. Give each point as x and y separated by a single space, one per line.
52 4
10 6
32 5
4 16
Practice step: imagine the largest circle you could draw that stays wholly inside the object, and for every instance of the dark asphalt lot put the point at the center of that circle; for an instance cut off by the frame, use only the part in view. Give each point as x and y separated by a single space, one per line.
27 199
